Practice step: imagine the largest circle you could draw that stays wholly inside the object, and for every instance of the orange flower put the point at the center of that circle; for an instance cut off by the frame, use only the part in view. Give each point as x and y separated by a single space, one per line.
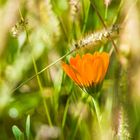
88 71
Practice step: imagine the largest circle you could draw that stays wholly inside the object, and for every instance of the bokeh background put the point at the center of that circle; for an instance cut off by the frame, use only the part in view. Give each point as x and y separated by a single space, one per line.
35 33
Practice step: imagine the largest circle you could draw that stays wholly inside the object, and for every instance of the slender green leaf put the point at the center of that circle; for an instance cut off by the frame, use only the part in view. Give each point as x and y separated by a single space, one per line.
28 127
19 135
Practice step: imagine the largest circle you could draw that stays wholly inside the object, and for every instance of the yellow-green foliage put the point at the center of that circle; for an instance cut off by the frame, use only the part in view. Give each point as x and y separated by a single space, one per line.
49 105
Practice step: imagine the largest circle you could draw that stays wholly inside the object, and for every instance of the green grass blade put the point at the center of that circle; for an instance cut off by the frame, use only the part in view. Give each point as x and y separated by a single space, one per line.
28 127
19 135
41 91
65 113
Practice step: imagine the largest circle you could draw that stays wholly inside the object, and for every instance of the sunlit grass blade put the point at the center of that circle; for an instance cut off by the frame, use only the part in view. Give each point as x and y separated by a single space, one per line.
28 127
41 91
86 6
19 135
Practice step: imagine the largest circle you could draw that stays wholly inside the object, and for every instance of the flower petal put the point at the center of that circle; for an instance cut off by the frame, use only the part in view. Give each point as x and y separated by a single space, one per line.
105 57
98 67
89 69
70 72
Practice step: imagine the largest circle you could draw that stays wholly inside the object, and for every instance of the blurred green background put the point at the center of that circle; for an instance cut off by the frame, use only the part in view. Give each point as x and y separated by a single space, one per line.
35 33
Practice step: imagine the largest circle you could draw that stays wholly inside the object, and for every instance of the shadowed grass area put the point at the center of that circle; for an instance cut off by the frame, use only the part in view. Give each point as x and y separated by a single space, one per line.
38 101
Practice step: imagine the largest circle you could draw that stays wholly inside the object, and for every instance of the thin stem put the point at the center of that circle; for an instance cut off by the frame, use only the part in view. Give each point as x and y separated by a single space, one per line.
106 11
97 110
118 10
36 71
61 22
41 90
65 113
76 128
20 14
85 18
47 112
101 19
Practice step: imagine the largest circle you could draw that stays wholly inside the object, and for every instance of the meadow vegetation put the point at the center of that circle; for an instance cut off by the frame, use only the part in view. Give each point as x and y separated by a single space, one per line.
49 86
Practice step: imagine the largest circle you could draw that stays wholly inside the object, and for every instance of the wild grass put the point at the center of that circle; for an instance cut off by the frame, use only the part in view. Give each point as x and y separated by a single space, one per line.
38 100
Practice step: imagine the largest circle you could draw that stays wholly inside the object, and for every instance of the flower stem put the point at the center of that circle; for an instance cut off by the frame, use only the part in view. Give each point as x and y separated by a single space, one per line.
97 109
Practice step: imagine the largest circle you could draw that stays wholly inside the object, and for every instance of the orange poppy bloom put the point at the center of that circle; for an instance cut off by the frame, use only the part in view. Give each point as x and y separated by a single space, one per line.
89 70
